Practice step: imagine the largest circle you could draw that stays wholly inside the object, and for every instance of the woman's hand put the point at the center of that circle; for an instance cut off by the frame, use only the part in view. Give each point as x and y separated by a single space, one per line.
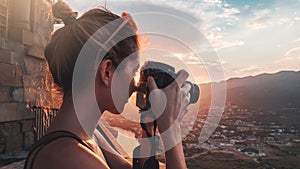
170 103
169 106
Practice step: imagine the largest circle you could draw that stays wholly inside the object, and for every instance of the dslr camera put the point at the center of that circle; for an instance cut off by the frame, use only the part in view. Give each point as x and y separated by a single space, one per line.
163 75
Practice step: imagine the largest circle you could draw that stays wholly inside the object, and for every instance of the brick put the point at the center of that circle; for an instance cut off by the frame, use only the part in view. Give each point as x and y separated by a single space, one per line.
5 94
18 94
9 75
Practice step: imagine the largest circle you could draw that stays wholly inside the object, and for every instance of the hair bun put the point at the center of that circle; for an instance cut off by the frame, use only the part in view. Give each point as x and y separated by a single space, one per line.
63 11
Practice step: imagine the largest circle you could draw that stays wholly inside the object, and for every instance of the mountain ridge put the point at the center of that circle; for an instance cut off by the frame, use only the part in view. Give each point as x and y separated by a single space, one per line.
272 91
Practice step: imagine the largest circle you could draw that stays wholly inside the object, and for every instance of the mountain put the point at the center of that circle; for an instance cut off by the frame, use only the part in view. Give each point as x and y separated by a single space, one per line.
265 91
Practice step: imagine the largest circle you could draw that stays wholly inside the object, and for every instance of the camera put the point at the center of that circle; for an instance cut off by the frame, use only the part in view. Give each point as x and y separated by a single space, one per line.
163 75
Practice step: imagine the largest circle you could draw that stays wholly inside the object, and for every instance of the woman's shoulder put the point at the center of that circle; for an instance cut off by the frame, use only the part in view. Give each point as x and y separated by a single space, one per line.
68 153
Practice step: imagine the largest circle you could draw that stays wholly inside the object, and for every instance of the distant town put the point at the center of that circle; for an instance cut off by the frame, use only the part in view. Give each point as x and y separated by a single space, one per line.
250 137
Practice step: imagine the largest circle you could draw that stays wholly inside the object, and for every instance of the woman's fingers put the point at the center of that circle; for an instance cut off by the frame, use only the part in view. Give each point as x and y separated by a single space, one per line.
186 87
151 83
185 99
182 75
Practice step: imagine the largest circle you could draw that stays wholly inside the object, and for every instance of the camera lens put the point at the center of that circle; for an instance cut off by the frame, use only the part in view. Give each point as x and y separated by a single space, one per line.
194 92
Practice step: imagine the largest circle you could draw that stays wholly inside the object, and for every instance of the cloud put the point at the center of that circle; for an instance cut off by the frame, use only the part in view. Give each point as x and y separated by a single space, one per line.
187 58
230 14
296 40
218 41
211 13
293 53
205 14
227 44
252 69
289 61
265 18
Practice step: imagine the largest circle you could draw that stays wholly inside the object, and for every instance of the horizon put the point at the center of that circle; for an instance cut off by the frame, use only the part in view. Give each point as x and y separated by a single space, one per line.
237 31
263 73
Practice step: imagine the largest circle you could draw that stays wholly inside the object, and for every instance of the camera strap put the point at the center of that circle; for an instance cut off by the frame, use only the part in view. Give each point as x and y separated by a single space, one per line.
152 162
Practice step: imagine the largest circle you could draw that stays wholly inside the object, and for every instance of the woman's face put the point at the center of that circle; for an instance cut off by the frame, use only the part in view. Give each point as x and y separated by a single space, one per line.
122 85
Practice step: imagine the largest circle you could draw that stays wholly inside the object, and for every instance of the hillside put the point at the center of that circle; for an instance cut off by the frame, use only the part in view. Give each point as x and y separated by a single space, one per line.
265 91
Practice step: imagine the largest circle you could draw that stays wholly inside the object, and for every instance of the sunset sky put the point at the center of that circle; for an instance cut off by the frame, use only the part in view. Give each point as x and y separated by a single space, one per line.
250 37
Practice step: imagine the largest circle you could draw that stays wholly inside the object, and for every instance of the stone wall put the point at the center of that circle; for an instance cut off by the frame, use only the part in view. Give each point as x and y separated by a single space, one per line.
24 77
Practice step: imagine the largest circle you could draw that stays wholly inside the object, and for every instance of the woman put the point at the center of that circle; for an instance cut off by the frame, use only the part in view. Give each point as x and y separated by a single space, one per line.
67 144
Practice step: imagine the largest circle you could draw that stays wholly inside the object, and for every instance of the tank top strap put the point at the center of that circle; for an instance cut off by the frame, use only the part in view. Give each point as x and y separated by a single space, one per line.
47 139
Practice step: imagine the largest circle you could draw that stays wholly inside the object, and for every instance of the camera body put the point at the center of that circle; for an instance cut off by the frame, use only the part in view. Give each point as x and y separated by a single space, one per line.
163 75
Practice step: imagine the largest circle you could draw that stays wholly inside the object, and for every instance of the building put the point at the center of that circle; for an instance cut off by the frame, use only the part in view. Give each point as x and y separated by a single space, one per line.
25 82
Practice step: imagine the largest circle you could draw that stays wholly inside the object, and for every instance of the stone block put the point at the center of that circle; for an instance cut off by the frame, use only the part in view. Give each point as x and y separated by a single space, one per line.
36 52
15 34
27 37
3 43
28 139
18 94
30 95
30 82
17 58
25 112
34 66
5 94
17 47
11 128
3 135
37 40
5 56
13 143
10 75
27 125
3 132
14 111
8 112
2 145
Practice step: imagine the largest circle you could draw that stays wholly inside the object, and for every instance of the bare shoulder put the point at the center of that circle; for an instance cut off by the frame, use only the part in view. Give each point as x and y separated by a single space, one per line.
68 153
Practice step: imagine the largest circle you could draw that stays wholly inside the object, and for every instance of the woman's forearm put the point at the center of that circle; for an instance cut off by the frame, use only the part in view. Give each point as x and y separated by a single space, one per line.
175 157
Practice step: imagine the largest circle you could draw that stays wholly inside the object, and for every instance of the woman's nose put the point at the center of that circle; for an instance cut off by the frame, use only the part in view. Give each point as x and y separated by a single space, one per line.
132 87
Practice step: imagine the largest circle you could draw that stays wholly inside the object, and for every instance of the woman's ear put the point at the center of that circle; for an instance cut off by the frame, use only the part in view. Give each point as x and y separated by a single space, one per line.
106 70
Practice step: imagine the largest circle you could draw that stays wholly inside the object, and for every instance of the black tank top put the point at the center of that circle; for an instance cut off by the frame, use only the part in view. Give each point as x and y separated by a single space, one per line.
47 139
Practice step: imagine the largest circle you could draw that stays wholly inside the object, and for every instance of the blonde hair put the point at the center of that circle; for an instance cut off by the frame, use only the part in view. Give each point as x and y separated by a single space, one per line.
67 42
